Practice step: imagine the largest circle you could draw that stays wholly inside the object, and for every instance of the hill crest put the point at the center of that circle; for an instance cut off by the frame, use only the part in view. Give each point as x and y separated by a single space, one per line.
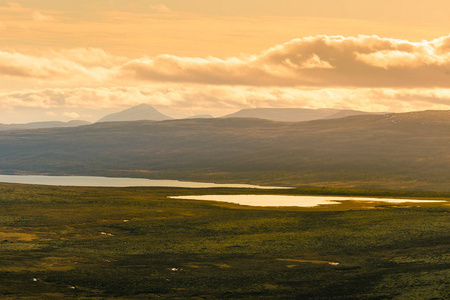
294 114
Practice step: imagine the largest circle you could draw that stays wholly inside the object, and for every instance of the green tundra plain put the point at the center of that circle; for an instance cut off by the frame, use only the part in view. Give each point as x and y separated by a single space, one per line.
135 243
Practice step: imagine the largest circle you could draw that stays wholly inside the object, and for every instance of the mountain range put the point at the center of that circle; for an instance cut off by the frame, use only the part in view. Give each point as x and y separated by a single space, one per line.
397 151
147 112
37 125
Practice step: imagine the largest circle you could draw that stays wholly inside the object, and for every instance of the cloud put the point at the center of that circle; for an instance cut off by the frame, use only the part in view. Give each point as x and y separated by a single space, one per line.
72 115
317 62
159 8
84 64
364 61
92 98
40 17
13 4
188 99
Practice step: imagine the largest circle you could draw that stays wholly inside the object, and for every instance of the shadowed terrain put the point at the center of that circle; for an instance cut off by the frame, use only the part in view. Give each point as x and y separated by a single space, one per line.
394 151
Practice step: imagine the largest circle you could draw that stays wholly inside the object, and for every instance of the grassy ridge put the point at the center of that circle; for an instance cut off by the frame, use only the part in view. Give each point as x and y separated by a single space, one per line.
135 243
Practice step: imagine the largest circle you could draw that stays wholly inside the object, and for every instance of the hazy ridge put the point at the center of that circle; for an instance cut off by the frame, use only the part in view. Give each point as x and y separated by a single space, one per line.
410 147
294 114
37 125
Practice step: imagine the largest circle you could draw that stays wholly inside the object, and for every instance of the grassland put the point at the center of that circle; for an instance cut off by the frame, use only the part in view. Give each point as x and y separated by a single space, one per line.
134 243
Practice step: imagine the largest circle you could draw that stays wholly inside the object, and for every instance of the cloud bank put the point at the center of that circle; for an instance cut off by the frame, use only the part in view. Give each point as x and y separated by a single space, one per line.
320 61
195 99
362 73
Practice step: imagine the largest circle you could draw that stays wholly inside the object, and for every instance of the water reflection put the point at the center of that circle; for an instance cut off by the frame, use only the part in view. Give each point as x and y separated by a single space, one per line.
98 181
297 201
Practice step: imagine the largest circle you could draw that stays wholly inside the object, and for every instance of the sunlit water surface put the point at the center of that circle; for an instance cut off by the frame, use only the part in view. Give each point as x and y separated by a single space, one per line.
298 201
117 182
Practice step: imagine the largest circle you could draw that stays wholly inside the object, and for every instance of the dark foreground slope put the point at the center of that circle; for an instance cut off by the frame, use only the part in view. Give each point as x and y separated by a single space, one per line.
410 150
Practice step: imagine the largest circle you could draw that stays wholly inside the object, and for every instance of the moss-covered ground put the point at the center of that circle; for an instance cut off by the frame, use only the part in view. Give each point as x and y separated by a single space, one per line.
135 243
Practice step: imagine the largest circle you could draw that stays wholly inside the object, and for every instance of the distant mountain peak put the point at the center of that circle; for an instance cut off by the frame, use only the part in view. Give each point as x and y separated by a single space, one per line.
136 113
142 106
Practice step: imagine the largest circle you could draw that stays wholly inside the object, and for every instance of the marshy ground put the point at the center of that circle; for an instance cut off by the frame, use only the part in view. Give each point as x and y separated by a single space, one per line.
135 243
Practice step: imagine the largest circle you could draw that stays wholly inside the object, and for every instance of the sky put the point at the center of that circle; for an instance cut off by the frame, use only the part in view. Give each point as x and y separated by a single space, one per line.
65 60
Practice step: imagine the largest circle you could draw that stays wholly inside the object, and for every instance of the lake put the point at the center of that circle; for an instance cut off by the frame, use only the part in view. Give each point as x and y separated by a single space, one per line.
293 201
249 200
97 181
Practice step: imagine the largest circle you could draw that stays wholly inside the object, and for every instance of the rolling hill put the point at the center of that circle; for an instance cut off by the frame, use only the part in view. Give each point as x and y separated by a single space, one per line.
294 114
396 151
204 116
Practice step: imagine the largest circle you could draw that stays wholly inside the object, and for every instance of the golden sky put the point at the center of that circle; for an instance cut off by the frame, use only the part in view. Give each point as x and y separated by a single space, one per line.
62 60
